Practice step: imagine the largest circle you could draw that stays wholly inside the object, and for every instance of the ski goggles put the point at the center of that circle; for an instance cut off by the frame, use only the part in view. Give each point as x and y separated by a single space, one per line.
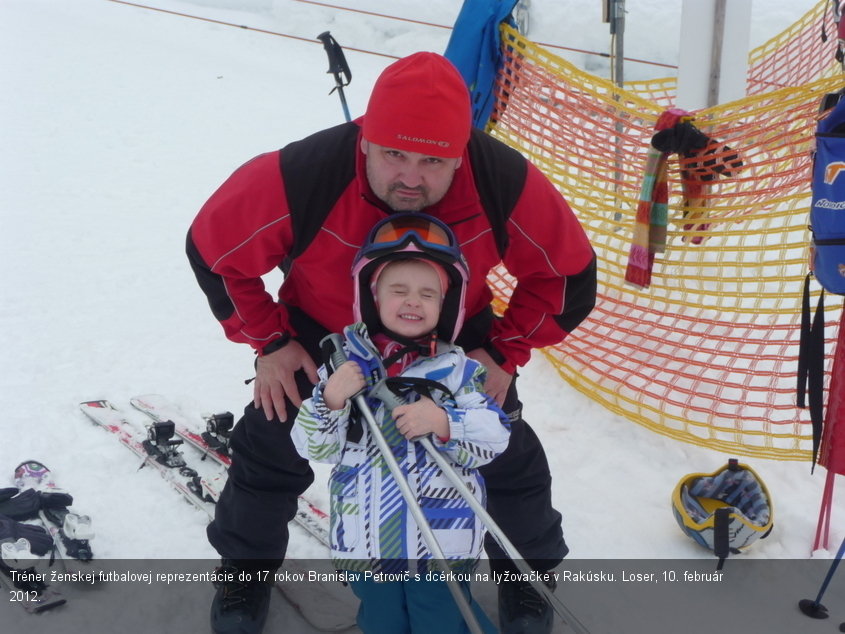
398 231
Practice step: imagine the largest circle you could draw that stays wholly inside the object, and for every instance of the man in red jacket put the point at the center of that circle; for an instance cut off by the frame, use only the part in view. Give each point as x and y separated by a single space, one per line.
307 209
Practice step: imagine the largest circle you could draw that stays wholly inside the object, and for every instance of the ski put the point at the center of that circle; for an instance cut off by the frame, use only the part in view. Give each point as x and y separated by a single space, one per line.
327 606
156 449
23 578
71 531
214 443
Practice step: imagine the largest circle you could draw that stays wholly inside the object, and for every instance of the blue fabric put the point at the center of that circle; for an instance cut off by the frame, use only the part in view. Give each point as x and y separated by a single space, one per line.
826 214
833 120
413 607
474 48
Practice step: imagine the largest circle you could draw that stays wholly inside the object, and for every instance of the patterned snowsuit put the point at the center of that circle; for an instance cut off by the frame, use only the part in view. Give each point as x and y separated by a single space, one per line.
371 527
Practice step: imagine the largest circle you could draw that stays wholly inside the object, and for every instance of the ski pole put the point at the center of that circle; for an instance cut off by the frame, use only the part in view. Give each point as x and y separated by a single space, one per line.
815 609
391 400
337 66
338 357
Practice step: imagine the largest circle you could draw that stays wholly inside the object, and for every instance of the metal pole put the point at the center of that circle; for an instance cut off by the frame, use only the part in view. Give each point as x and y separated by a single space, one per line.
815 609
381 392
521 12
618 29
716 53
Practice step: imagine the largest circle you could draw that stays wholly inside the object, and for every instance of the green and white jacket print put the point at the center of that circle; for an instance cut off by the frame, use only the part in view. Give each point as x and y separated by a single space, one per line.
371 526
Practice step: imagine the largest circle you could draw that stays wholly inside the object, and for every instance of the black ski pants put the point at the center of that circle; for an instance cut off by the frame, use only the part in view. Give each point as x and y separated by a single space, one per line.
267 475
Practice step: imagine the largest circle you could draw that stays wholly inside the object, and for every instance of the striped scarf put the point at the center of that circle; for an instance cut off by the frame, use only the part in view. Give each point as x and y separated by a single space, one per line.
651 220
652 208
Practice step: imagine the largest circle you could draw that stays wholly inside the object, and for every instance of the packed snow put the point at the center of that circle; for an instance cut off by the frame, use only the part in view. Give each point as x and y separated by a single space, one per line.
120 121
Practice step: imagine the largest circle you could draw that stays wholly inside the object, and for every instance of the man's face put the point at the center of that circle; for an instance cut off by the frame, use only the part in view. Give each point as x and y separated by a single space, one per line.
407 181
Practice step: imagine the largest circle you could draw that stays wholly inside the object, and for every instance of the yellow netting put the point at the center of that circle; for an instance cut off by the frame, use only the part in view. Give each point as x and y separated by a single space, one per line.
708 353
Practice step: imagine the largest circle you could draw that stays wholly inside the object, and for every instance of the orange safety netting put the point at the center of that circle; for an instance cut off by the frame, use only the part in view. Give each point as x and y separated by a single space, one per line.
708 352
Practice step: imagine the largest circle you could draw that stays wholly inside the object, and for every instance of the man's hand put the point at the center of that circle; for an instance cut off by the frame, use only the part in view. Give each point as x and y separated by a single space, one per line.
498 381
274 379
420 418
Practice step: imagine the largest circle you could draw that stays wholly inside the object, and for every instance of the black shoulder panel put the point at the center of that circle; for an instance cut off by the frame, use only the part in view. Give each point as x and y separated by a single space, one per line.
316 170
499 172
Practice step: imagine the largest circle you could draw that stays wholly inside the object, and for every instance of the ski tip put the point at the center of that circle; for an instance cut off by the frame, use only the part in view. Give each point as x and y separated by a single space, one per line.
32 474
96 403
31 465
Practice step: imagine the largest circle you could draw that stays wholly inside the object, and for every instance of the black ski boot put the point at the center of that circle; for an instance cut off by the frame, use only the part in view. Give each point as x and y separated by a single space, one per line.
242 600
522 610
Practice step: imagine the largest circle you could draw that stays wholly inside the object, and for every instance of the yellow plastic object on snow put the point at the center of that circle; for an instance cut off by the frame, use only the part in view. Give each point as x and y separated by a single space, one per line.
724 511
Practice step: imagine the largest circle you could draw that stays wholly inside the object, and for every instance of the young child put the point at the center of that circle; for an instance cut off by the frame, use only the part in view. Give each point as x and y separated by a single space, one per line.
409 283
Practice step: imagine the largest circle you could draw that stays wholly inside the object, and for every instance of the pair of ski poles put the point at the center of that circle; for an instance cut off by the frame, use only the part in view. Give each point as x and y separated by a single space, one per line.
381 392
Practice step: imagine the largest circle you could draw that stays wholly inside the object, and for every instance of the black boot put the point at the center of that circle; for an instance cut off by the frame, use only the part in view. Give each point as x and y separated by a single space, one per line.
522 610
242 599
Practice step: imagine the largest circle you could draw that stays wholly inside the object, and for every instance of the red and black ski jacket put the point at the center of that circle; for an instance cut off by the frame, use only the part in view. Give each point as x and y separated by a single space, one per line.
308 208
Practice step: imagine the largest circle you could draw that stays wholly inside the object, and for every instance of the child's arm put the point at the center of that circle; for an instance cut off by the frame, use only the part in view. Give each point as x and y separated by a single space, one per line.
476 429
421 418
319 431
346 381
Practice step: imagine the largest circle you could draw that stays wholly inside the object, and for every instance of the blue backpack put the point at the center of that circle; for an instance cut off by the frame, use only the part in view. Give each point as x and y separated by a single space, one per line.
827 253
827 213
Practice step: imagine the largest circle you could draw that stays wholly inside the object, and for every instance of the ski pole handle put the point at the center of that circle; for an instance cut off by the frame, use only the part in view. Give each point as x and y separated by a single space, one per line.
334 356
332 348
337 67
337 60
383 393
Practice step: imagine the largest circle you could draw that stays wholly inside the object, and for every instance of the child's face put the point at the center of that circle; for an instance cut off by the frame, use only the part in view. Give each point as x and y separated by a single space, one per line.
409 297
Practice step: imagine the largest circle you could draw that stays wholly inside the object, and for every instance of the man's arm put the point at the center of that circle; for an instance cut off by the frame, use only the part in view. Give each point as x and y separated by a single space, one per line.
240 234
555 268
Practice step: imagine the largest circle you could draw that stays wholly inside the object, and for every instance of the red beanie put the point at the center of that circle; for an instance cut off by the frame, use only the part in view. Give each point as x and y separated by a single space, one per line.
420 104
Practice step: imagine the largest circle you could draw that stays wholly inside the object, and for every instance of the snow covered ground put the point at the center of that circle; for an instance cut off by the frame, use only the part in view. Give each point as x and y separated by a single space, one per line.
118 122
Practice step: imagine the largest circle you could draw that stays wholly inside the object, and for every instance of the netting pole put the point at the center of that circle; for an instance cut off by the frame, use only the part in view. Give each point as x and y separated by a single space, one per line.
616 18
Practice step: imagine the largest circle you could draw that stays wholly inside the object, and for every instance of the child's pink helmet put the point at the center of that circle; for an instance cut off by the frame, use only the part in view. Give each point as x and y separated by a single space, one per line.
411 235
